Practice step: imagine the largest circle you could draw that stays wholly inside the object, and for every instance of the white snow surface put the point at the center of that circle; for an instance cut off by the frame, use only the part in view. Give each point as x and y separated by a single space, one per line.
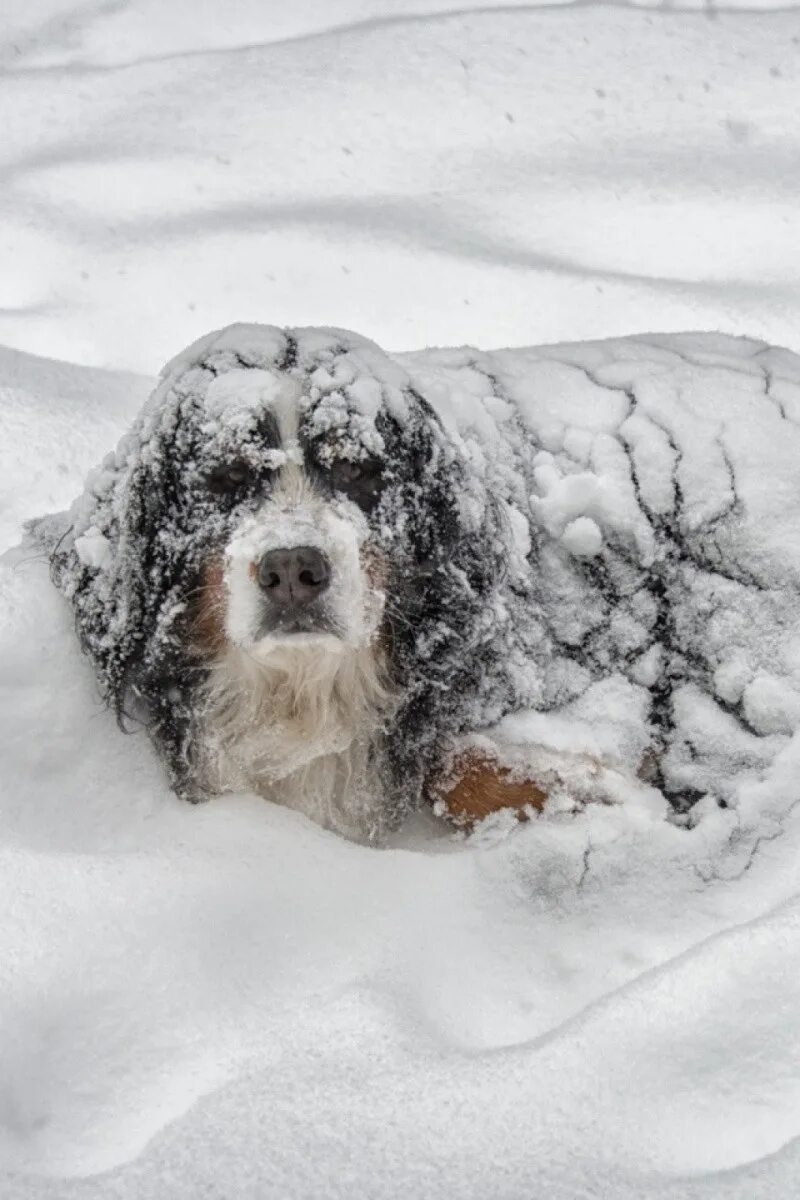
227 1001
502 175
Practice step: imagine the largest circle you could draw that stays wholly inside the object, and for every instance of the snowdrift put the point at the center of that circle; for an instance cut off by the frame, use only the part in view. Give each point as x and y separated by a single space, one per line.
229 1001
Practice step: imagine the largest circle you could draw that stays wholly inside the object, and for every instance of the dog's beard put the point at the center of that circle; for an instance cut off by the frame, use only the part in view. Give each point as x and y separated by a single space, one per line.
299 725
271 710
301 652
293 709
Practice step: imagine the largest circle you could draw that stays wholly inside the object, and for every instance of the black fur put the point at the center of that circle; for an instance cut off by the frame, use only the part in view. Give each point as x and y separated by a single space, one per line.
165 501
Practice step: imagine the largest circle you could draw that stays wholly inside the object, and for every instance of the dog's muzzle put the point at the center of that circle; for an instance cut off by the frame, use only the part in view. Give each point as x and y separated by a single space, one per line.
295 568
292 578
292 581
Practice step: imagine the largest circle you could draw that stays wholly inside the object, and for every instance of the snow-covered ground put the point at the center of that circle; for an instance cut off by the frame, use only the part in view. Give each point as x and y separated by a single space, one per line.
500 176
227 1001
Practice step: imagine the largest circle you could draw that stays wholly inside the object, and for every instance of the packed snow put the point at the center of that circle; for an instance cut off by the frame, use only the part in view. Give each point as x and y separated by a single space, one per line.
226 1000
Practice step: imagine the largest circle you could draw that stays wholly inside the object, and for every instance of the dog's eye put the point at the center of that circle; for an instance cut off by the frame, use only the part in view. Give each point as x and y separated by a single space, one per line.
229 478
361 480
345 474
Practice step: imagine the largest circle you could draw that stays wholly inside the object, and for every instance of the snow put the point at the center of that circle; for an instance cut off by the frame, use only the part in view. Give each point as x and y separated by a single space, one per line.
583 537
229 998
591 170
226 1000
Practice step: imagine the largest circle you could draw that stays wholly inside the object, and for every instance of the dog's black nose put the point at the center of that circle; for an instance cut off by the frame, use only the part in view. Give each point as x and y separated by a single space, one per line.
293 578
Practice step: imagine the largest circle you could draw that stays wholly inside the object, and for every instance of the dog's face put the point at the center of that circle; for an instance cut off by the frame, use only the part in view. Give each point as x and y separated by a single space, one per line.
297 561
287 506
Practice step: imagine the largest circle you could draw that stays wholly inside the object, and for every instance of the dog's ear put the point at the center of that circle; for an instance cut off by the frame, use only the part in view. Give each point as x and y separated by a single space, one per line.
452 561
454 545
456 531
119 564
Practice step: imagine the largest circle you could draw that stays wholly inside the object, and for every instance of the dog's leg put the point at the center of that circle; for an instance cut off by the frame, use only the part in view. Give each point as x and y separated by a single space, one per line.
475 786
482 778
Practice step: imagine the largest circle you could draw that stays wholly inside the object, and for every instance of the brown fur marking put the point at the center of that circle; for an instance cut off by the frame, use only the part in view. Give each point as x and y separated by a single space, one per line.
482 787
207 625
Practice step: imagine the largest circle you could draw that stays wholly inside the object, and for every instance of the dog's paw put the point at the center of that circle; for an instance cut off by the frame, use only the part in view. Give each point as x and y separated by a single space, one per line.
481 777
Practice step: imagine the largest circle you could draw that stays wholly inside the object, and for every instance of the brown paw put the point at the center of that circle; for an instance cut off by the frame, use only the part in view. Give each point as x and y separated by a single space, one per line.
476 785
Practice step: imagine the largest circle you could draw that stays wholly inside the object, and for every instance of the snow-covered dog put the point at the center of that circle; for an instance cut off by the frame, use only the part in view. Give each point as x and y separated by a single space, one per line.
321 572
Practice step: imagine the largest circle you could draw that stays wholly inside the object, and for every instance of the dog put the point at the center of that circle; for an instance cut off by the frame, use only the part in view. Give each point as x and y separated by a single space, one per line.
306 580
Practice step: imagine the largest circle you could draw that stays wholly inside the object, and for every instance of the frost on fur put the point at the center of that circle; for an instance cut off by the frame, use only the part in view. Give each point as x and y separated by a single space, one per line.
571 542
285 408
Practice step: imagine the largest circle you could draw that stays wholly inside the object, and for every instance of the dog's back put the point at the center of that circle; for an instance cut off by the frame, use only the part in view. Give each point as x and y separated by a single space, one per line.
661 479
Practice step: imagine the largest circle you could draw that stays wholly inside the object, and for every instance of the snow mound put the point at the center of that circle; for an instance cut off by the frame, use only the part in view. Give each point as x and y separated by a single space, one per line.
230 1001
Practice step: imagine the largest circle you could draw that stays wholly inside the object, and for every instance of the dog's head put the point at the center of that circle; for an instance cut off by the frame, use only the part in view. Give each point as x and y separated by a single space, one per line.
283 494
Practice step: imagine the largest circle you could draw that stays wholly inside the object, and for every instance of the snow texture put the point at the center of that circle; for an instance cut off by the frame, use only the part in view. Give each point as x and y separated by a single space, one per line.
227 1001
592 170
660 479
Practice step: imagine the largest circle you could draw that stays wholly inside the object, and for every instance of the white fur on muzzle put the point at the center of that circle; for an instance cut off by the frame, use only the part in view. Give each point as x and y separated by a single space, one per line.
296 717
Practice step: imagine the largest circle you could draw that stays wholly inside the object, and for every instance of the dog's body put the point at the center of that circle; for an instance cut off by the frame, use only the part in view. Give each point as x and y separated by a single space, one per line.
316 570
